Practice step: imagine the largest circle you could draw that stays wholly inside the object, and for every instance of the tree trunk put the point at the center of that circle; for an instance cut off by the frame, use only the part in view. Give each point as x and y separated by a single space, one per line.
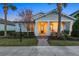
5 25
59 5
20 32
27 30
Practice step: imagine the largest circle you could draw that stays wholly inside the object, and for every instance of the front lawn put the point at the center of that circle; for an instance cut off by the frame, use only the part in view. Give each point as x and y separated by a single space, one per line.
63 43
16 42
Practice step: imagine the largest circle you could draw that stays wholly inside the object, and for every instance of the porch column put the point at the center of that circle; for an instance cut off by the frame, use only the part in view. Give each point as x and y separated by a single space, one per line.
35 28
71 23
48 28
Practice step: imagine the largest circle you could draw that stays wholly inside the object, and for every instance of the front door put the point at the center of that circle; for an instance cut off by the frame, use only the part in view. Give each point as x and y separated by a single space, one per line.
42 28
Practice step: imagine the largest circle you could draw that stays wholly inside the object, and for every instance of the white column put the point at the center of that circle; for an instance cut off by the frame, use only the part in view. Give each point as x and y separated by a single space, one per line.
35 29
71 23
48 33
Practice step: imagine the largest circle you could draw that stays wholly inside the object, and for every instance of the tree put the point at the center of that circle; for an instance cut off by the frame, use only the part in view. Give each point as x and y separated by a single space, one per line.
26 16
59 10
75 27
6 7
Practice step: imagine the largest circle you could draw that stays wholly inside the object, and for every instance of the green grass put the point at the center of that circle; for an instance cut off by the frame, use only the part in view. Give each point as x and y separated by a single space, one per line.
63 43
16 42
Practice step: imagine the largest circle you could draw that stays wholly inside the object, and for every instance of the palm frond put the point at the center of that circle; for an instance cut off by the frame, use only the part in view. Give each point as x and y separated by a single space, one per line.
49 3
64 5
12 7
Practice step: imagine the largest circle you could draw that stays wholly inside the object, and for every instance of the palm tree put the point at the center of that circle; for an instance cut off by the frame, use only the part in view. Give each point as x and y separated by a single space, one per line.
59 9
6 7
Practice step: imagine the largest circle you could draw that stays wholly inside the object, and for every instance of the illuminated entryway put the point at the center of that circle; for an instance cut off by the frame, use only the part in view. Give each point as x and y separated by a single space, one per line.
46 28
54 26
42 28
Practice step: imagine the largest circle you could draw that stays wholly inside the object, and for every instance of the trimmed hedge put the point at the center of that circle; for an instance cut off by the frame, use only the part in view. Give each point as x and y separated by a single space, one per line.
25 34
18 34
8 33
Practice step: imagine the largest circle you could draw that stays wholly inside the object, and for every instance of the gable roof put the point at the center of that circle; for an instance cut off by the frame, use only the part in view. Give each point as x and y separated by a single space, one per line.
54 11
8 22
40 14
76 12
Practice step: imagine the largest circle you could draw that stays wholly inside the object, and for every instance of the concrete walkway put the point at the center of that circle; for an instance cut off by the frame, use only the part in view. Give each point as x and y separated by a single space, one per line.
42 42
40 51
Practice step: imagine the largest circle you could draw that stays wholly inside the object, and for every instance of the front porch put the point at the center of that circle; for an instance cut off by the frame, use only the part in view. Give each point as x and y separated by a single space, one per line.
45 28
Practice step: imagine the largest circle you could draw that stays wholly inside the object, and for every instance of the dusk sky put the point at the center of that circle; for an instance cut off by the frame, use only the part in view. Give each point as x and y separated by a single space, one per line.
38 7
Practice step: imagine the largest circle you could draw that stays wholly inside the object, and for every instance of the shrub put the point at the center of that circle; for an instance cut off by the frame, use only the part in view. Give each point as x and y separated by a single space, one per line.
8 33
14 34
75 33
1 33
66 31
75 29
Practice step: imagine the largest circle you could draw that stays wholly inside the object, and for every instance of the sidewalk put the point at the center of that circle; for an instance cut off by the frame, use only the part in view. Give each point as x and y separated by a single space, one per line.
39 51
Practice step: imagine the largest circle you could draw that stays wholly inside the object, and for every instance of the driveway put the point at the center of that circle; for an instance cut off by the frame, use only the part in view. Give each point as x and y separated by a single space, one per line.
40 51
